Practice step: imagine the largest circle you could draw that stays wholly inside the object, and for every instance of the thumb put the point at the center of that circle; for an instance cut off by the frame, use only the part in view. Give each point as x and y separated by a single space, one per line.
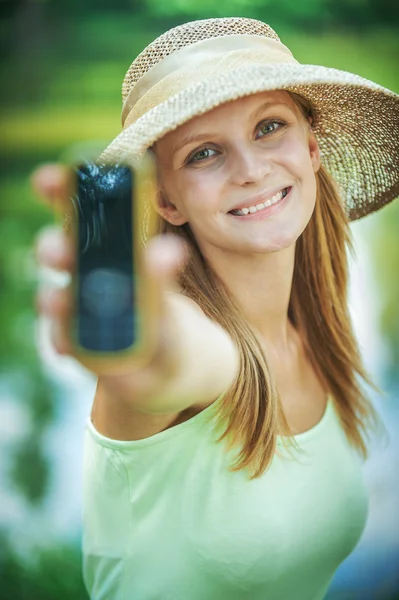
165 255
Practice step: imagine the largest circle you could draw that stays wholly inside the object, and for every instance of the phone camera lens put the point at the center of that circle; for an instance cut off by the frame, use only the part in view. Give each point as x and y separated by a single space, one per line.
106 292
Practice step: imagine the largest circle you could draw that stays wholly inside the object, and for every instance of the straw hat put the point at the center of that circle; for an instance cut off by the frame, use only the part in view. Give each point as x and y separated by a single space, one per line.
197 66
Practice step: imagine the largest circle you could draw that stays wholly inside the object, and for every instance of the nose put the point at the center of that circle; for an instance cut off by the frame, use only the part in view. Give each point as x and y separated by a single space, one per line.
249 165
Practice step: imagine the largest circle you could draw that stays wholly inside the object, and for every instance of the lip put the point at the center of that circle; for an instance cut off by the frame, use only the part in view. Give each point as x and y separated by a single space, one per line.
258 199
265 212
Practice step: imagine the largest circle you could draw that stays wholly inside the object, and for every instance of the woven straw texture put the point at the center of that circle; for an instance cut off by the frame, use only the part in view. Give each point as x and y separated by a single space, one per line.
187 34
356 121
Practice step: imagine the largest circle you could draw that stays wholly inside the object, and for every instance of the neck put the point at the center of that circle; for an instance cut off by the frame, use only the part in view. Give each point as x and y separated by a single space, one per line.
261 285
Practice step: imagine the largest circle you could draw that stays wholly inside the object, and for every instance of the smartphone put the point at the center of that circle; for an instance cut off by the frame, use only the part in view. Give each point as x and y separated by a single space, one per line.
113 300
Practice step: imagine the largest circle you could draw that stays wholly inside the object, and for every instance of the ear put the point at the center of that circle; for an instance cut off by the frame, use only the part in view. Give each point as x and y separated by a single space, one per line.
314 151
168 211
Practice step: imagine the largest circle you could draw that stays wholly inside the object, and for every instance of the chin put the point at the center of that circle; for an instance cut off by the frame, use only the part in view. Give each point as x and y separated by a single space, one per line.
287 233
281 237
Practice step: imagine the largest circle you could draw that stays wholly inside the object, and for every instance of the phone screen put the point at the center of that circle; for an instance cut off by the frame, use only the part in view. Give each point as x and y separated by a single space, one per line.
106 317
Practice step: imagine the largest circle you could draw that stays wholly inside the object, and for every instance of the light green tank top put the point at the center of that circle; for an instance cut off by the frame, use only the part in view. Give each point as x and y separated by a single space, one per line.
164 519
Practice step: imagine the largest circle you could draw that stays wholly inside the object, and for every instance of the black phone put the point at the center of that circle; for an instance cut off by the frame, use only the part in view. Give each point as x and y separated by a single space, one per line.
112 300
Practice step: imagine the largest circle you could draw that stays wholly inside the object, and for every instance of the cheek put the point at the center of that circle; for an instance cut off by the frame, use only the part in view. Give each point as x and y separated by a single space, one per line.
294 155
297 162
199 192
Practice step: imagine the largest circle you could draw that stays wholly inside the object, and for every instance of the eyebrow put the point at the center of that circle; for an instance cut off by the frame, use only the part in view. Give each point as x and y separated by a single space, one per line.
206 136
192 138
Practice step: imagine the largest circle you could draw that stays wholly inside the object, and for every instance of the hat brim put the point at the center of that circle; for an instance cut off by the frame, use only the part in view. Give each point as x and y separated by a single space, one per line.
356 124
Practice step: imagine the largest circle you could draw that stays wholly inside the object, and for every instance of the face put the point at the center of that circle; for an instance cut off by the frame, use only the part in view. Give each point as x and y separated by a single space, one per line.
242 175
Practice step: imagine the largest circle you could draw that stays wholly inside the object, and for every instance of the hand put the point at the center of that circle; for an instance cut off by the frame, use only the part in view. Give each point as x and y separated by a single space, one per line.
163 257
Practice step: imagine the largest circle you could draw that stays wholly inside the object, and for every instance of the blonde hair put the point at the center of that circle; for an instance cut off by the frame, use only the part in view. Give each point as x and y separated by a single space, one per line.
251 411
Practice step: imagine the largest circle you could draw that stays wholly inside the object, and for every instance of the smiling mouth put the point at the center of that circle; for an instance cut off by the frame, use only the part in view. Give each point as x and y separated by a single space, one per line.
241 212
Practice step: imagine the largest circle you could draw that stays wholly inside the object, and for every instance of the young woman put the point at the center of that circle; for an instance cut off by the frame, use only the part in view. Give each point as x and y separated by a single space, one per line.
230 467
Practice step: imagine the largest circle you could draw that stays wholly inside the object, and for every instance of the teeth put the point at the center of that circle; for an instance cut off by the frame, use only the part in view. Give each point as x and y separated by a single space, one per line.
261 206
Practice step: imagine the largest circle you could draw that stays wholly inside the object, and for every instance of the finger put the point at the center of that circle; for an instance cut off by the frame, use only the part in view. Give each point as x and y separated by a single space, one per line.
164 257
52 183
54 249
55 303
60 339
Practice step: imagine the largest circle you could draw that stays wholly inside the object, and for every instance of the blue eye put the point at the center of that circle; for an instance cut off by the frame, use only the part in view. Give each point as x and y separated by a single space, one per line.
201 155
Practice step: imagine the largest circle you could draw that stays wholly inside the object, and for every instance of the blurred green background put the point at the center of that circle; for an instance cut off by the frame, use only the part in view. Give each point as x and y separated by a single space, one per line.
61 72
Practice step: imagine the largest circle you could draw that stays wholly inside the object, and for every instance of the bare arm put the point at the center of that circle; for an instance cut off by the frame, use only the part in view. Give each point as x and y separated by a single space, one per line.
206 357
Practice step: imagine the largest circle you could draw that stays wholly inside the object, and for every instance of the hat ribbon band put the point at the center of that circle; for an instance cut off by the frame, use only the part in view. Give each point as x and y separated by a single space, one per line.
196 61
